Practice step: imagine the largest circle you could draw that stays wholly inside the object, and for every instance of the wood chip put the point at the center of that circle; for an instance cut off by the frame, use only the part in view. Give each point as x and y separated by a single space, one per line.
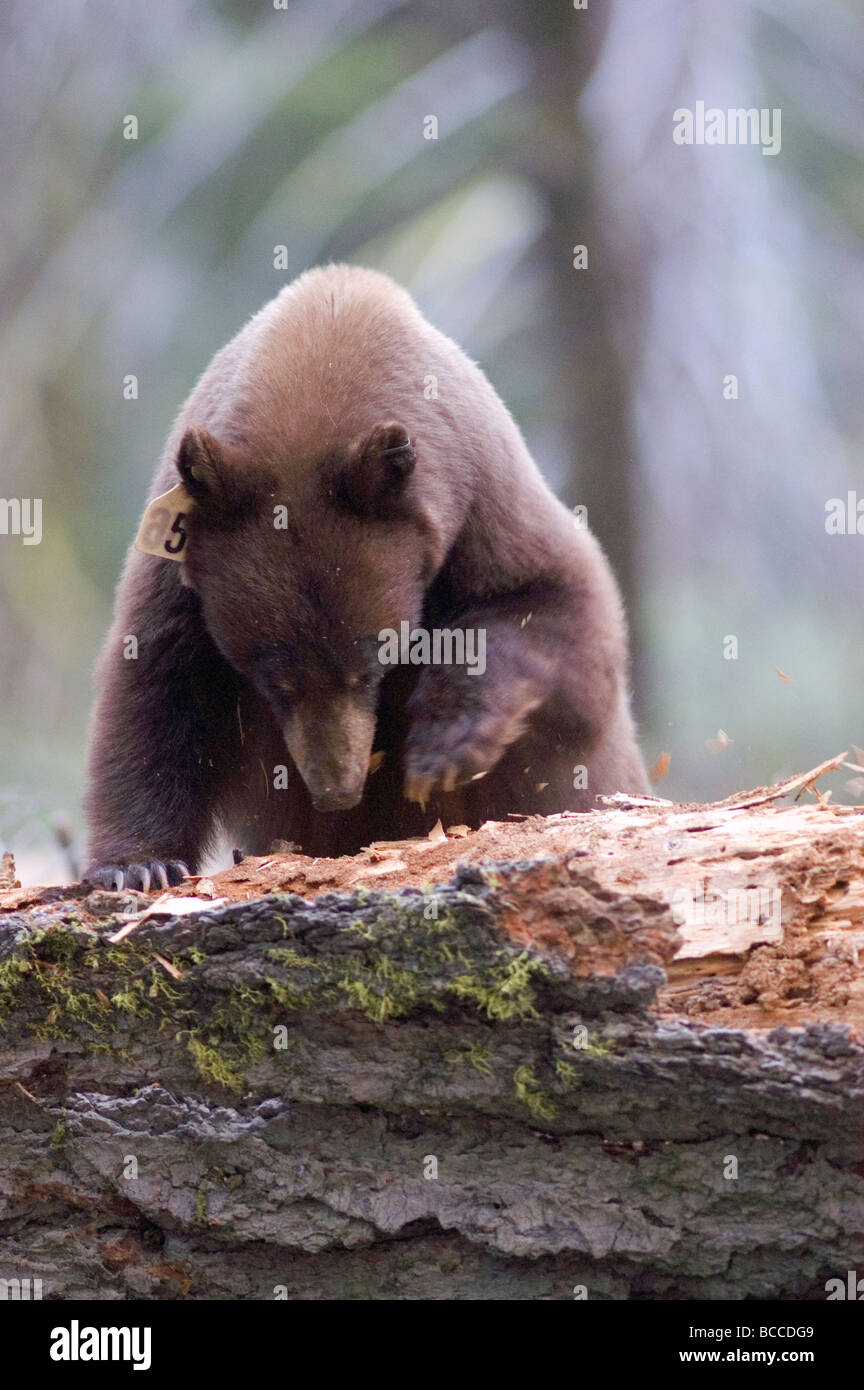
660 770
742 801
419 843
123 932
180 907
8 879
167 907
392 866
166 965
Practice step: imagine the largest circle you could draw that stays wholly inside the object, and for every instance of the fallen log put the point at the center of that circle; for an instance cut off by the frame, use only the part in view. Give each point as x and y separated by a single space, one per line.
615 1055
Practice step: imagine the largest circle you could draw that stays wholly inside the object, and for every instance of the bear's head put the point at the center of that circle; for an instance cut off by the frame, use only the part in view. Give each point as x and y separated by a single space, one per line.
298 570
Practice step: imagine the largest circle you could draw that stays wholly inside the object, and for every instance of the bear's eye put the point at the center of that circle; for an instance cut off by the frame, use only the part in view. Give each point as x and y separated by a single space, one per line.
361 681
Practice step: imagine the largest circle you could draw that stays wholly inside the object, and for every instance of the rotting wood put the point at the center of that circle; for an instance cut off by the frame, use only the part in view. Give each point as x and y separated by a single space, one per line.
582 1024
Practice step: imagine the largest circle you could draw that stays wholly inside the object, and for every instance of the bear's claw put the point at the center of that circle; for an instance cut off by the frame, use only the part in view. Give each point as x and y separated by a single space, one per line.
442 755
145 878
428 773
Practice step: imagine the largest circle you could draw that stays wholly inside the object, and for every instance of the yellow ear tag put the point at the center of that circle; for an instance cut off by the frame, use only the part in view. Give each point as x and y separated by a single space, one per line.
162 531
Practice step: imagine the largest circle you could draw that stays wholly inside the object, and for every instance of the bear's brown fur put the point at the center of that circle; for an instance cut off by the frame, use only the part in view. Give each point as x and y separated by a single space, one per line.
410 496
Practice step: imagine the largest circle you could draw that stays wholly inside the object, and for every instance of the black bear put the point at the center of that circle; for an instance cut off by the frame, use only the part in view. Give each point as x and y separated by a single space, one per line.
377 612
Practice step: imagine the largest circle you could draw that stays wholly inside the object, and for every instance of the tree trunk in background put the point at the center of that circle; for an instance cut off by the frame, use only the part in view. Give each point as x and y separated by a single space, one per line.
586 403
589 391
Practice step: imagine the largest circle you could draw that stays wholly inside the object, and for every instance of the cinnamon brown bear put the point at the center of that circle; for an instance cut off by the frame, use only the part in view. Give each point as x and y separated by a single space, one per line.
354 499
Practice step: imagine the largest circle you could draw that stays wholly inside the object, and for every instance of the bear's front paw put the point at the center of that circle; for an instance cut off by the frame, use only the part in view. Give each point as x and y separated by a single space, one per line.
148 877
441 755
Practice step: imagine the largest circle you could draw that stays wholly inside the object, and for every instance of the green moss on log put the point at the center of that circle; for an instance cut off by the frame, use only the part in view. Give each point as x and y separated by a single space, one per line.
384 960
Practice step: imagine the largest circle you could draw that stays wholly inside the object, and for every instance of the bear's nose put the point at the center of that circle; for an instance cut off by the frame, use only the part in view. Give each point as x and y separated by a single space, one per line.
335 799
334 786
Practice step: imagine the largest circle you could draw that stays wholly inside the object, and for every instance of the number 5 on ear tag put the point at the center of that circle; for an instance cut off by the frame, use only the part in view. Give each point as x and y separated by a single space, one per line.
162 531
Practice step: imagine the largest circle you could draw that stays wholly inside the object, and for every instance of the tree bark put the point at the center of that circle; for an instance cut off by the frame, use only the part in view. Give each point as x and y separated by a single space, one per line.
541 1079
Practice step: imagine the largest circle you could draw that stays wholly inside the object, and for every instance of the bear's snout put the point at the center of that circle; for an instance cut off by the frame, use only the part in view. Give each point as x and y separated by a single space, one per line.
331 750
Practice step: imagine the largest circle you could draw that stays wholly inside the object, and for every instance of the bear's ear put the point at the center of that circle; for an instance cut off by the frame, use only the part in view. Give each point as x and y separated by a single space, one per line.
214 474
378 468
201 464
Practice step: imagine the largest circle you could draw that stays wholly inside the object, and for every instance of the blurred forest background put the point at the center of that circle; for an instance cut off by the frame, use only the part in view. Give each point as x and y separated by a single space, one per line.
302 126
